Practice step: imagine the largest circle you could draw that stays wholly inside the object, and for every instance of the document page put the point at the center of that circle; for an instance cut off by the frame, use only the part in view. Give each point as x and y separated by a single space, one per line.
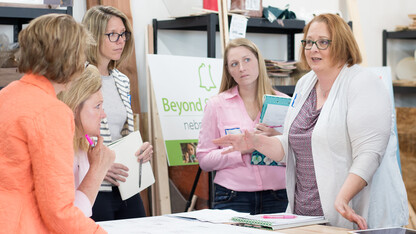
125 150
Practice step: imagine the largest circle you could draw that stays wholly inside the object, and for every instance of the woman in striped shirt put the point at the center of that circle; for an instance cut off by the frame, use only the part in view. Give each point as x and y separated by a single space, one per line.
112 31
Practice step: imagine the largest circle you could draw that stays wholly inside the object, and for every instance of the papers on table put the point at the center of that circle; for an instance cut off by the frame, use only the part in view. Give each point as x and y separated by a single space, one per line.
168 224
210 215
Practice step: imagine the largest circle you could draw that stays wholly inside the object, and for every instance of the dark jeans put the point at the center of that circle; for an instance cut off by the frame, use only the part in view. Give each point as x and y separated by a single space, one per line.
109 206
260 202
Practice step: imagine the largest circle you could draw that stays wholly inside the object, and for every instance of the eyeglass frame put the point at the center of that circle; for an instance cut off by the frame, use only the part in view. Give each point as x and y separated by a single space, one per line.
127 35
303 42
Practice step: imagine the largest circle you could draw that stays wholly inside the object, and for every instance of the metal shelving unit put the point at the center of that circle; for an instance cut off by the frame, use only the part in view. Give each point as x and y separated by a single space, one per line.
289 89
17 16
403 35
209 23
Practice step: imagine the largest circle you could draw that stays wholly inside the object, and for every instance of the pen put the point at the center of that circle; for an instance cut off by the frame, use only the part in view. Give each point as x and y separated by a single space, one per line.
140 172
89 140
278 126
279 216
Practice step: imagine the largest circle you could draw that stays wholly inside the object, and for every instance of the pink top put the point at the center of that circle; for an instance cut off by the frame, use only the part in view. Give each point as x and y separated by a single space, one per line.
233 171
81 166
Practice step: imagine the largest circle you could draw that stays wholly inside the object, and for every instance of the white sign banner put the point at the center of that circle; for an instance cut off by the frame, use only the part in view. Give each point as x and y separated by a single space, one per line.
182 86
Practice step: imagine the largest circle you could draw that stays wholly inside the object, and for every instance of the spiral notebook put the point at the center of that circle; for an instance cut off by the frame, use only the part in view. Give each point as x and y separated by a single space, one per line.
278 221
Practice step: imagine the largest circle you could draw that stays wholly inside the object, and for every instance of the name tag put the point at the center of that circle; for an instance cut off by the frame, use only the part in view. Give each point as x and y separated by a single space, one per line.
233 131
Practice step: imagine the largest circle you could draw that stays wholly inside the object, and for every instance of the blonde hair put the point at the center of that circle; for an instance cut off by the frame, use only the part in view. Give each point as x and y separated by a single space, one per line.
80 90
263 81
53 46
96 20
344 47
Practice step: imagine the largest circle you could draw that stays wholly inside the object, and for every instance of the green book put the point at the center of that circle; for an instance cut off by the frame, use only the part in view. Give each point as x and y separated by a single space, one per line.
273 113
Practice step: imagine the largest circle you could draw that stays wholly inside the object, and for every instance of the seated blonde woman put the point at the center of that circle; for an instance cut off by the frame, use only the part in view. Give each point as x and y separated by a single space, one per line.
91 163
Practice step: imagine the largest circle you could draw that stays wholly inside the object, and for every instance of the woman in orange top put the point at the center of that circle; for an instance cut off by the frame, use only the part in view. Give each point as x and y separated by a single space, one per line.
36 129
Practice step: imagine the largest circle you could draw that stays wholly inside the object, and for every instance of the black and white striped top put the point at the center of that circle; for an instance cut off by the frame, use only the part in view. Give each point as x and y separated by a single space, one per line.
123 87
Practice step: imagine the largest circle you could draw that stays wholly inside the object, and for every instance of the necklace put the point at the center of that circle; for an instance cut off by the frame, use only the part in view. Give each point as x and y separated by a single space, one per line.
324 93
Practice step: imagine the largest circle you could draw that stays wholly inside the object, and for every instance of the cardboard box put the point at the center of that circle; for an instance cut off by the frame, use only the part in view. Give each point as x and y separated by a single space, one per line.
253 8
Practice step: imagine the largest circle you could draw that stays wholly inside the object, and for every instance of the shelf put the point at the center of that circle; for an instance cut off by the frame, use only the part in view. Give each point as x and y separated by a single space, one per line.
17 16
27 14
411 34
209 23
404 35
404 89
287 89
255 25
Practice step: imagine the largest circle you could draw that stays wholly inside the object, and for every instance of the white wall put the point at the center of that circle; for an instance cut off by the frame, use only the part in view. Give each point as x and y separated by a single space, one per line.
375 15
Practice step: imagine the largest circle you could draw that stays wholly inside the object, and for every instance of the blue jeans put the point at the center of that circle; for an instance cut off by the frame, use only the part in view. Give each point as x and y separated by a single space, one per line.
109 206
260 202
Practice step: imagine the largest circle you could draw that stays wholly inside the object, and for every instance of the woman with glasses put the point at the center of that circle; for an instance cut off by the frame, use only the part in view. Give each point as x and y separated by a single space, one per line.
338 143
112 31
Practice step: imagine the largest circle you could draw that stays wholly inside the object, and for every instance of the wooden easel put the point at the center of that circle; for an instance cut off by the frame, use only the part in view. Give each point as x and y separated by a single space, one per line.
160 195
223 21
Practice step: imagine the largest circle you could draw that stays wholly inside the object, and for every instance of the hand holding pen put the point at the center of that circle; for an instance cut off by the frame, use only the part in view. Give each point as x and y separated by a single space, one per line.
100 157
145 153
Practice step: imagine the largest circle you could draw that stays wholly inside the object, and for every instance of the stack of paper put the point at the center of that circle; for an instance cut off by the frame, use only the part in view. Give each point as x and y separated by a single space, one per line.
279 71
210 215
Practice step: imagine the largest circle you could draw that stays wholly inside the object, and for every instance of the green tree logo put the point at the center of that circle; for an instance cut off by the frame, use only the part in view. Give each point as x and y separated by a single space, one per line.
205 78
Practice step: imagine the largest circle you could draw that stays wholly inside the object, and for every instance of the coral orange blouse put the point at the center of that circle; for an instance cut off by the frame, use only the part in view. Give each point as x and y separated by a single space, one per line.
36 159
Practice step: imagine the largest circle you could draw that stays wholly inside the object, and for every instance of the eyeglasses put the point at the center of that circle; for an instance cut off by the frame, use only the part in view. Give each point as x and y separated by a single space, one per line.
113 37
321 44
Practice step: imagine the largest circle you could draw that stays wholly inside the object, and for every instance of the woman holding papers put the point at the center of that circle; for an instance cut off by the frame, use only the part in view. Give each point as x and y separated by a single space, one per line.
338 142
240 185
113 33
91 162
36 147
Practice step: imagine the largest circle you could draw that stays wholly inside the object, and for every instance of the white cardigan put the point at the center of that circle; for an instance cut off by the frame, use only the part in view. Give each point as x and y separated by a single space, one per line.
351 136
